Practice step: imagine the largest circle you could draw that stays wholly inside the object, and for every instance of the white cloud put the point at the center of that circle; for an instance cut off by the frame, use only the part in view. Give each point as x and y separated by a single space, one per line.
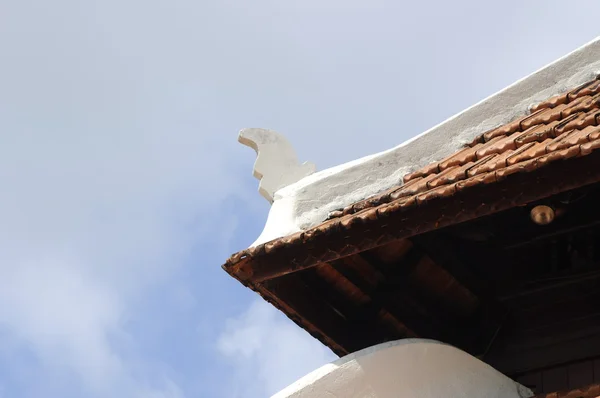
79 249
53 306
87 229
268 351
89 223
107 183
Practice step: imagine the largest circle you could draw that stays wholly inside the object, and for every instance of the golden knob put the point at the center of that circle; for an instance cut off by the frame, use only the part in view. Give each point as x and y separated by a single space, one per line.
542 215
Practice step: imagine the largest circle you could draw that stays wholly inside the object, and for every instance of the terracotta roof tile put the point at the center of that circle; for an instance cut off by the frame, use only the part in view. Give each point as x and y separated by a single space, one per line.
589 88
536 134
480 179
490 163
417 186
425 171
497 145
509 128
441 191
594 135
592 391
453 174
552 102
560 128
581 104
532 151
466 155
588 147
571 138
581 120
544 116
563 124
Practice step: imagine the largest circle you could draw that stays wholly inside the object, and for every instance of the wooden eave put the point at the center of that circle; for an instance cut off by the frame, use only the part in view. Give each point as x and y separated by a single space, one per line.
390 267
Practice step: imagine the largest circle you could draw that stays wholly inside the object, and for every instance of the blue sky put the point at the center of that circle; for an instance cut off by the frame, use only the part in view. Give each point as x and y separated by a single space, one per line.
124 188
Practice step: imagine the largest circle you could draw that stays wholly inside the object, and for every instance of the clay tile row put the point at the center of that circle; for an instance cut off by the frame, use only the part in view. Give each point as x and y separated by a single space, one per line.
592 391
496 165
423 190
589 88
578 106
562 127
538 127
574 109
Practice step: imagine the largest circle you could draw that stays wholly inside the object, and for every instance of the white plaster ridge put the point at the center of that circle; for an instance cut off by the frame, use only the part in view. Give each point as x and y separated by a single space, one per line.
308 202
413 368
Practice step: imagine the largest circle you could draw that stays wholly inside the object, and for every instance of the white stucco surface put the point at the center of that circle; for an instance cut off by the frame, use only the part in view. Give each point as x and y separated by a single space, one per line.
276 163
409 368
308 201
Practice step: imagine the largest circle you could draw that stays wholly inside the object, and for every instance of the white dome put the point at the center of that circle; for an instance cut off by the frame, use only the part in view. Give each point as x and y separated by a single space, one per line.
410 368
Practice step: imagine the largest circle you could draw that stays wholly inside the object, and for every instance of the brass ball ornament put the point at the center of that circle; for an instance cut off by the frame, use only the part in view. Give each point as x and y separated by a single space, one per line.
542 215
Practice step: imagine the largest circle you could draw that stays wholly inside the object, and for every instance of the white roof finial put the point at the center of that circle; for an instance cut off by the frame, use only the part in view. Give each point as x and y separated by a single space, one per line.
276 163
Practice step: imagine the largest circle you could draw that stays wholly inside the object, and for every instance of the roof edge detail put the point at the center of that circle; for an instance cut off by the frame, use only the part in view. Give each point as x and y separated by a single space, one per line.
309 201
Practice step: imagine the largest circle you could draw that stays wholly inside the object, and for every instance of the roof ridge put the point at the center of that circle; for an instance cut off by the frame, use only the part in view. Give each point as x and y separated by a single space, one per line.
309 201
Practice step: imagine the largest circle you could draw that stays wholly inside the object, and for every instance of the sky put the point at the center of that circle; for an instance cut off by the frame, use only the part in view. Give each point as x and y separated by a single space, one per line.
123 187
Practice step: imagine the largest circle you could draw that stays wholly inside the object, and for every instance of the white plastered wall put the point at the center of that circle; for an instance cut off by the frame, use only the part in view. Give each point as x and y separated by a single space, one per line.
410 368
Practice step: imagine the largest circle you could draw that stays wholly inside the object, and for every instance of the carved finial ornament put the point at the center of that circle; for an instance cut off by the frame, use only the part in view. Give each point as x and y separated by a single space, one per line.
276 163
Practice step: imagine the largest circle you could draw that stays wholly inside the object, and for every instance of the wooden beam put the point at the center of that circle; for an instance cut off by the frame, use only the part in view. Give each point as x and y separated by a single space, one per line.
578 342
442 250
314 314
358 308
562 286
391 287
397 301
482 328
397 286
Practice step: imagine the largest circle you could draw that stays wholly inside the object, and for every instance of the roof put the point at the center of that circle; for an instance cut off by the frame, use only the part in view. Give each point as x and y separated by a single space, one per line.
592 391
415 258
308 202
560 128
